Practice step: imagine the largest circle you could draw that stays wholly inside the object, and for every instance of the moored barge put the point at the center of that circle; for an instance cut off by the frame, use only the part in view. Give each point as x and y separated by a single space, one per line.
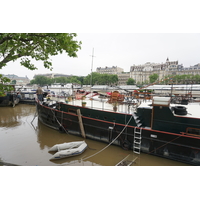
154 127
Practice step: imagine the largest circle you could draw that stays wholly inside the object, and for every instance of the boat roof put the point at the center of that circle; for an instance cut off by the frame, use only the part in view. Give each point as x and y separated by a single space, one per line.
193 109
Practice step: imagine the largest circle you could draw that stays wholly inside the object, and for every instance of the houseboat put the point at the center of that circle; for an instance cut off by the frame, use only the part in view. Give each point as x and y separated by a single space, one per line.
154 126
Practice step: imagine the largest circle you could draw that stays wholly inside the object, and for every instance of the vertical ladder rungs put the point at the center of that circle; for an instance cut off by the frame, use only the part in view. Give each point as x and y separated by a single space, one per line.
137 140
138 152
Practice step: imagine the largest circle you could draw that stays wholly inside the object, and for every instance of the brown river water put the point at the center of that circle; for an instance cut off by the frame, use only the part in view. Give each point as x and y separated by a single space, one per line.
25 142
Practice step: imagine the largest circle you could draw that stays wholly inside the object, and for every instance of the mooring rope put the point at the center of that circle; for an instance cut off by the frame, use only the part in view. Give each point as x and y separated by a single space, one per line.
58 121
110 142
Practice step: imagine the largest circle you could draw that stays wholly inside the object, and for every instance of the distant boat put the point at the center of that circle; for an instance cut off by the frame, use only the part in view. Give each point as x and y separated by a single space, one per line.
10 99
73 151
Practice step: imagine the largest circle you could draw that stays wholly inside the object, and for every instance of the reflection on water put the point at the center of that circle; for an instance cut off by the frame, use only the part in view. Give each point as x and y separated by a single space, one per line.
25 143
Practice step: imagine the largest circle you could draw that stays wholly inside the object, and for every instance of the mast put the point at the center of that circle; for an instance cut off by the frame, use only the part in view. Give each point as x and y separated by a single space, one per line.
91 69
91 76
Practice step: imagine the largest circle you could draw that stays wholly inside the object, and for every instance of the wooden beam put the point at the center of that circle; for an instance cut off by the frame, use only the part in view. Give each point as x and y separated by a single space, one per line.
81 123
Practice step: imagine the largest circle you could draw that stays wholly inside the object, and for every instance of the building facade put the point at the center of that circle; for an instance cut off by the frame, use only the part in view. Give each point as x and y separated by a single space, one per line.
52 75
141 73
109 70
123 78
18 80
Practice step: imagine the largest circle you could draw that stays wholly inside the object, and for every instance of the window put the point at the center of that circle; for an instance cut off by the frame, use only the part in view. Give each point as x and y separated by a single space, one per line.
193 131
72 111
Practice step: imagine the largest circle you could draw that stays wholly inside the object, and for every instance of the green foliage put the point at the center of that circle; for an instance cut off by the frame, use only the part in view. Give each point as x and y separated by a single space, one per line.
130 81
100 79
4 87
181 79
14 82
186 79
43 80
153 78
36 46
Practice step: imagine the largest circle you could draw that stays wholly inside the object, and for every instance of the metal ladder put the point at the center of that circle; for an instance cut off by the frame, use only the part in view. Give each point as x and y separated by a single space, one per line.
137 140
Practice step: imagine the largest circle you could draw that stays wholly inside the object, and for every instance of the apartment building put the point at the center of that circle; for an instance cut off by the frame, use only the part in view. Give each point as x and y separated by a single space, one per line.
109 70
52 75
141 73
18 80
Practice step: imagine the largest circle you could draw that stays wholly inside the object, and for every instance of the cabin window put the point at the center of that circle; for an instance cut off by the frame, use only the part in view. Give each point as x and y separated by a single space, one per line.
193 131
72 111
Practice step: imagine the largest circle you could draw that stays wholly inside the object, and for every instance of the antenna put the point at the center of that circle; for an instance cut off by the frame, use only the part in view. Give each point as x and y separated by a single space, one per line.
91 76
92 67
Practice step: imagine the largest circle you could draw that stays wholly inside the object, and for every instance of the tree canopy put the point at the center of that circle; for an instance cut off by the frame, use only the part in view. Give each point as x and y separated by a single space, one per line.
183 79
97 79
153 78
130 81
4 85
100 79
36 46
42 80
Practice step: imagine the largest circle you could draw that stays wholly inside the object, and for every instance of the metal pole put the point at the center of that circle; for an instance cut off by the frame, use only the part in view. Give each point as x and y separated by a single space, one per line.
91 77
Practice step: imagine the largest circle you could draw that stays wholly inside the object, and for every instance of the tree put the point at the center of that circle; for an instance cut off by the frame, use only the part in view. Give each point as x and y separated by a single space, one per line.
95 78
74 79
36 46
14 82
130 81
113 79
100 79
153 78
62 80
4 87
41 80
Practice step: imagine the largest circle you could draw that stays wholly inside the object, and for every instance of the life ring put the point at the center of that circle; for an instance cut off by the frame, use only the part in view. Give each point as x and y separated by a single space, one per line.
126 145
180 110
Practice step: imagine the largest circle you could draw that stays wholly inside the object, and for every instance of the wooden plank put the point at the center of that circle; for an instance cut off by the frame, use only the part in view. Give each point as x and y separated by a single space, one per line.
81 123
121 162
126 162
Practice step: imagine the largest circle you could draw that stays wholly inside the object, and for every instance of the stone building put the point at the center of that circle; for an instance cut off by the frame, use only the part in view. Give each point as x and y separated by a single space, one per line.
52 75
18 80
109 70
141 73
123 78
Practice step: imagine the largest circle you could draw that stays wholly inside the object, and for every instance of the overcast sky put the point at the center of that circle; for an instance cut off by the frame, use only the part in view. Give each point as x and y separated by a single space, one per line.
122 33
119 49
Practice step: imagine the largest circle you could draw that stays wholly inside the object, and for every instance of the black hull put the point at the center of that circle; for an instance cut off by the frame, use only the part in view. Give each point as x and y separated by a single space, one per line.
178 147
9 100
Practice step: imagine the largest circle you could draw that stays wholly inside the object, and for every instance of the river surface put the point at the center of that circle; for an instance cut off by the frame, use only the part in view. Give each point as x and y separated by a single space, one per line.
25 141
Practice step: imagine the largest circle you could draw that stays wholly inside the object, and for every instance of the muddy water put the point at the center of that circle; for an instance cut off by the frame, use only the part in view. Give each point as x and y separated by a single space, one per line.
24 141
